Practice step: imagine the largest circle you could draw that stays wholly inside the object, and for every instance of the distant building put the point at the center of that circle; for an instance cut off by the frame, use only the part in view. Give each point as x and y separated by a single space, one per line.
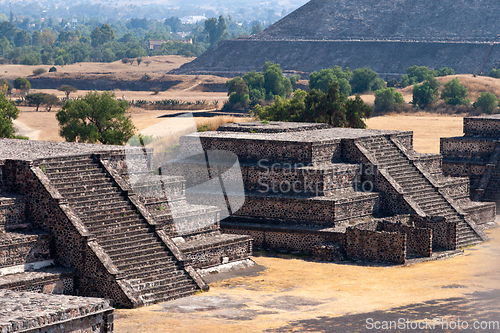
156 44
192 19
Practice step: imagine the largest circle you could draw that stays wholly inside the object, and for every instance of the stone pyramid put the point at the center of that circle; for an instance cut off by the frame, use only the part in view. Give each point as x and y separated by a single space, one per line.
388 36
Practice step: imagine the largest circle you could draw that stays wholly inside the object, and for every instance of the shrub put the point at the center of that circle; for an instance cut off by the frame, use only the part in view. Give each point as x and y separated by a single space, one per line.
364 80
455 93
39 71
294 79
494 73
486 102
52 69
156 90
425 93
125 60
322 79
146 77
387 100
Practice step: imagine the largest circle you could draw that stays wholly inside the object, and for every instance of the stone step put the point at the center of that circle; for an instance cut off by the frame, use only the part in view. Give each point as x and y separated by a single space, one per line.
133 255
100 199
142 261
150 242
91 223
111 214
124 234
74 169
170 284
122 206
94 182
118 243
165 296
118 232
74 193
428 198
68 160
433 205
150 270
111 227
158 274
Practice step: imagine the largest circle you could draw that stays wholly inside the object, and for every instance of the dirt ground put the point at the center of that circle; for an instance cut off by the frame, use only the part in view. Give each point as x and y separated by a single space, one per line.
427 128
290 290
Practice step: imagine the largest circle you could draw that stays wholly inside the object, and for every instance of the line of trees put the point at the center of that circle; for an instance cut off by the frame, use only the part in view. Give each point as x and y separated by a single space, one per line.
92 41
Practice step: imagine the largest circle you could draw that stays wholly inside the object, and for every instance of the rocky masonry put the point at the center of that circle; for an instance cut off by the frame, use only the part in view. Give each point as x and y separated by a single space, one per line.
476 155
72 224
332 190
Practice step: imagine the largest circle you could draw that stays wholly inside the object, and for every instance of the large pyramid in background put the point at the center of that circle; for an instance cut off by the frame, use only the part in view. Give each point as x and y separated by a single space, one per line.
388 36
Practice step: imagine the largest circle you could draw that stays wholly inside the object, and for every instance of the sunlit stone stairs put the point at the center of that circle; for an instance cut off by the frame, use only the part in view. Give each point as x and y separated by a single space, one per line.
413 182
140 256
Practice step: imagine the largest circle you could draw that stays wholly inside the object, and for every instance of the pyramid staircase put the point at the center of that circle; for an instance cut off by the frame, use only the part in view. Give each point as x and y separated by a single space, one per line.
144 261
389 156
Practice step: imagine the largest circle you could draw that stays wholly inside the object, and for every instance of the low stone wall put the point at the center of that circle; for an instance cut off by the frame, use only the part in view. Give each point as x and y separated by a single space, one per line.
41 313
468 148
444 233
320 211
266 237
47 281
230 248
418 240
375 246
24 248
484 126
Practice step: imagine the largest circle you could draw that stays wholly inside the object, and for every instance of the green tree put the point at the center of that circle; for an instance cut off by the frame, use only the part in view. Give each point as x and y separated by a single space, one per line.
8 113
445 71
102 34
486 102
174 23
50 100
364 80
216 29
275 83
67 89
95 118
35 99
455 93
334 108
387 100
425 93
494 73
255 83
321 80
22 84
237 92
22 38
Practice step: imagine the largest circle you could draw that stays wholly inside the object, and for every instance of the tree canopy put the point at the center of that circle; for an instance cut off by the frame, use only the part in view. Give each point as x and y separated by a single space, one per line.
102 34
216 29
321 80
95 118
425 93
8 113
334 108
455 93
486 102
67 89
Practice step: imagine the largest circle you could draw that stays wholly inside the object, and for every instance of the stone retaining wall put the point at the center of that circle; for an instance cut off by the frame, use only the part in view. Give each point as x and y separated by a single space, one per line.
24 248
375 246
